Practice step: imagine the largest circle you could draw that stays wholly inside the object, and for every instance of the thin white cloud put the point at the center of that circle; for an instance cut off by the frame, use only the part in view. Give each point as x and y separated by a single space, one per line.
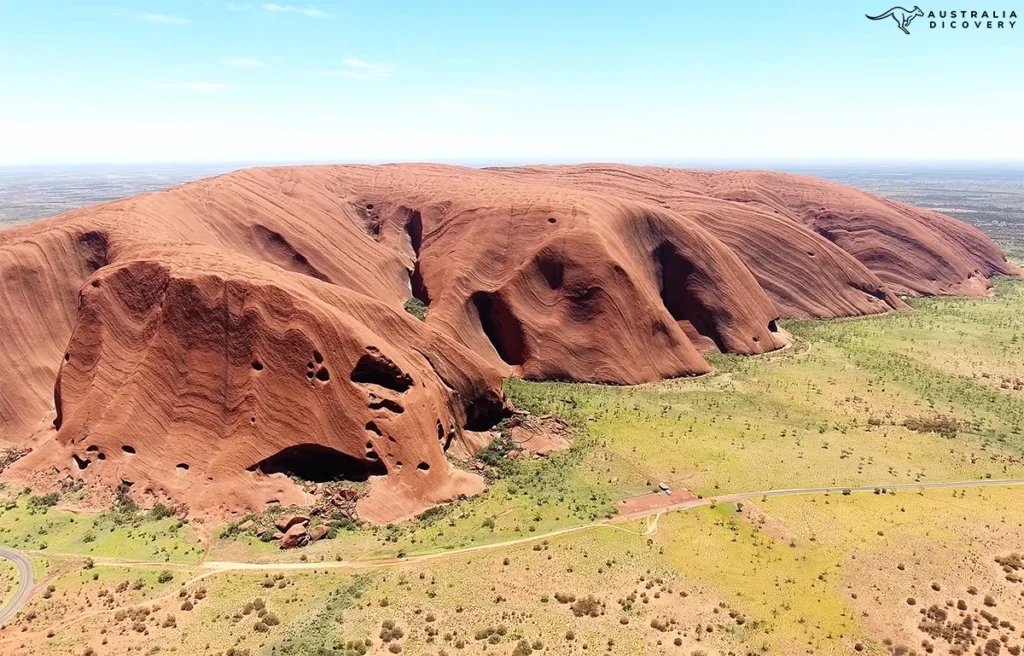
234 6
312 12
163 18
358 69
194 86
243 62
491 92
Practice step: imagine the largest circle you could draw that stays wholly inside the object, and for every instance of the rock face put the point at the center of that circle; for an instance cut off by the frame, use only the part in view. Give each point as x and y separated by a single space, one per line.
211 343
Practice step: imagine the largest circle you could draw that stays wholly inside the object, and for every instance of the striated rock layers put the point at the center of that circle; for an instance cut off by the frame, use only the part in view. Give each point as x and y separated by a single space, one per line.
211 343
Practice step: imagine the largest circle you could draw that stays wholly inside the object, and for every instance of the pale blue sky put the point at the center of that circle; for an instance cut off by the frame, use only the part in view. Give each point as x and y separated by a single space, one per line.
561 81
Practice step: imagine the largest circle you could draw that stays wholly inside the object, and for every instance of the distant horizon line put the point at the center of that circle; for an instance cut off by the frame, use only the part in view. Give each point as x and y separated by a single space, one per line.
475 162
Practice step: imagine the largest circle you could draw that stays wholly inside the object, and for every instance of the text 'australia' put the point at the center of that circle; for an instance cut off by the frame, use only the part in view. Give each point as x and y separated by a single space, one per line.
972 20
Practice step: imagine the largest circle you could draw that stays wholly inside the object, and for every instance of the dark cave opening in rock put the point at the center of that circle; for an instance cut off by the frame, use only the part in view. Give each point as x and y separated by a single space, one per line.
483 413
501 327
419 288
59 419
319 464
679 283
377 369
414 228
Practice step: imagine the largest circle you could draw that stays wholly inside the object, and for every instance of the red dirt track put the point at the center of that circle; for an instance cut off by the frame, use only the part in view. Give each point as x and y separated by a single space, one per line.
203 342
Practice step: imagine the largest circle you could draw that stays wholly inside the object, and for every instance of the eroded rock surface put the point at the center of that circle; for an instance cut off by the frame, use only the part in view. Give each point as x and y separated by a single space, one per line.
211 344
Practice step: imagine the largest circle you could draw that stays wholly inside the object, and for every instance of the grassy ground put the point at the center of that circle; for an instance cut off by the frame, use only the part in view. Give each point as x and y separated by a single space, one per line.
815 575
79 602
447 605
32 523
815 571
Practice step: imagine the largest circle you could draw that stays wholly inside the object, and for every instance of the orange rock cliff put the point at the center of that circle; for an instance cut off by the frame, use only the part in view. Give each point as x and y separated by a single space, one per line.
207 342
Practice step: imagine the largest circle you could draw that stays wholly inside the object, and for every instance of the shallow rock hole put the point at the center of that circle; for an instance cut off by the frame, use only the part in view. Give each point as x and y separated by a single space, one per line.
552 269
387 404
130 450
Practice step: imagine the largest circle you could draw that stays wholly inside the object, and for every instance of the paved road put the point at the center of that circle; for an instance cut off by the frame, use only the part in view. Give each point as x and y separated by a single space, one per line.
25 574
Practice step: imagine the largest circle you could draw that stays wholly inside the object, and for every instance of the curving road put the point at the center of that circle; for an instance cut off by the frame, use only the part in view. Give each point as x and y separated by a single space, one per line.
208 568
24 591
651 528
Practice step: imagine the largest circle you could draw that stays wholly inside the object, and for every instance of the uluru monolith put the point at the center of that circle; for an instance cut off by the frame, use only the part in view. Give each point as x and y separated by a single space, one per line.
217 344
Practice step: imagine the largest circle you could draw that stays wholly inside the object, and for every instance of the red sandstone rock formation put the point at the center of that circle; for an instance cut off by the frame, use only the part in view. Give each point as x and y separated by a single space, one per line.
207 342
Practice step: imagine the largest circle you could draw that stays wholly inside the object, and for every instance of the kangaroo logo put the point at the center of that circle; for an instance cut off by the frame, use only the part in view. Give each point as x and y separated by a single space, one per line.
902 16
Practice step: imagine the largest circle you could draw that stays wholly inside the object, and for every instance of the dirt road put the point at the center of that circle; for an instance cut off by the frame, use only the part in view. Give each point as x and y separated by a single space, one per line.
674 504
652 528
210 568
